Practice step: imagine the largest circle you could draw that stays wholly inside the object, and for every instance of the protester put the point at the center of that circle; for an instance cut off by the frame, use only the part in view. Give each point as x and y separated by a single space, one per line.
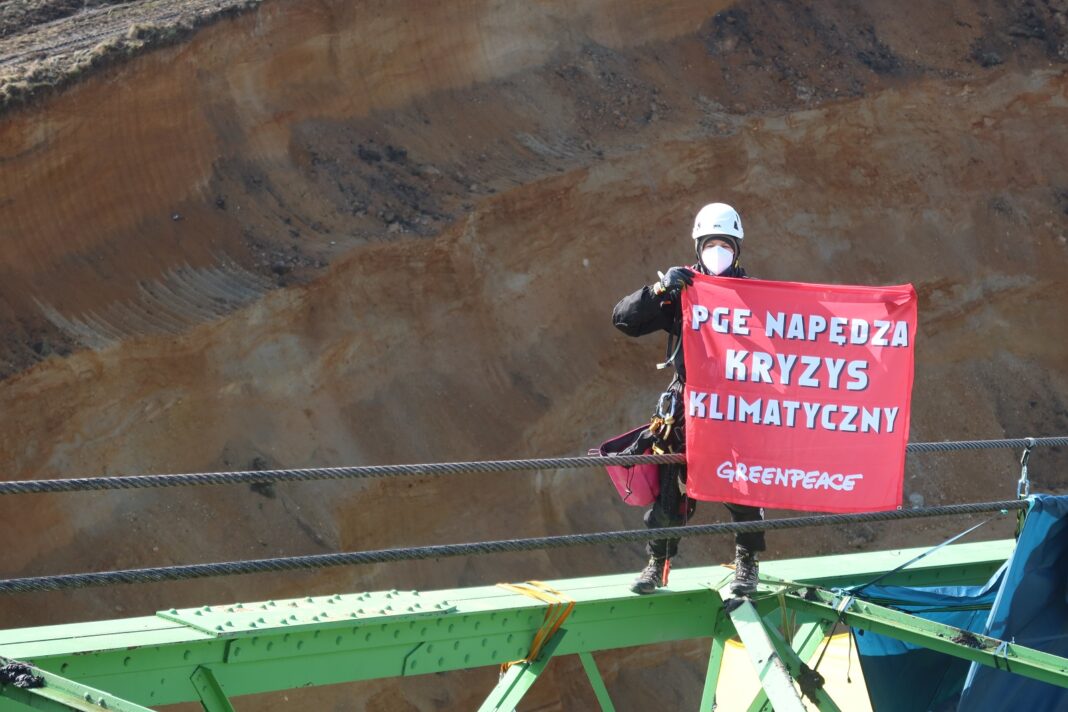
717 235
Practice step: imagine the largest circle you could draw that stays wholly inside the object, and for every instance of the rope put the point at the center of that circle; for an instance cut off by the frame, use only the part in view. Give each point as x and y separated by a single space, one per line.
86 484
438 551
855 590
19 675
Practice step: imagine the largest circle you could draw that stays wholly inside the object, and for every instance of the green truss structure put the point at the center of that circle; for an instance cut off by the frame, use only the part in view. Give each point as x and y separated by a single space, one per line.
214 653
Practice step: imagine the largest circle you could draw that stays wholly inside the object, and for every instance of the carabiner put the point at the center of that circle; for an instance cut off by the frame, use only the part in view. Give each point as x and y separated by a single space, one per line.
665 407
1023 487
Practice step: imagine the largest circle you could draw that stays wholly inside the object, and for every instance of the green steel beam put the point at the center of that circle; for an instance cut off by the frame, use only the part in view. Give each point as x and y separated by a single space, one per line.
326 640
806 642
62 695
597 682
770 667
520 677
939 637
799 670
277 645
715 663
793 656
954 565
212 697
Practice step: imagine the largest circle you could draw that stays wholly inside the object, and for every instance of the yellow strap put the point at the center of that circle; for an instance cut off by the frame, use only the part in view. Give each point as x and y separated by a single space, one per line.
559 608
535 589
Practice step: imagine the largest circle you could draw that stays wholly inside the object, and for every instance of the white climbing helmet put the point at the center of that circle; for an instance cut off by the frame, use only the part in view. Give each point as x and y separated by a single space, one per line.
717 219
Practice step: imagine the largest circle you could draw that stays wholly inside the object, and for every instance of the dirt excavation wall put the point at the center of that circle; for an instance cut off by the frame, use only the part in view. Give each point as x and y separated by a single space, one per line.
349 233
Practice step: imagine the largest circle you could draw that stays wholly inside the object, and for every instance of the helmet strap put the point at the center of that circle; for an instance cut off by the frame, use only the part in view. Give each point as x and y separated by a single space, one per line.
700 264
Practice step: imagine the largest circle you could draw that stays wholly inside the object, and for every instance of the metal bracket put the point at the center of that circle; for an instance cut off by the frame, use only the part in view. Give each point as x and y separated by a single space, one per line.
212 697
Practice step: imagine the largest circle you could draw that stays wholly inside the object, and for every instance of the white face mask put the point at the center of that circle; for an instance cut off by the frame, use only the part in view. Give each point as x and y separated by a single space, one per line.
717 258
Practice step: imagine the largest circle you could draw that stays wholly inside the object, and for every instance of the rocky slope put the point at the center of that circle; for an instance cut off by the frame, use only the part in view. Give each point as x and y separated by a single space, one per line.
324 233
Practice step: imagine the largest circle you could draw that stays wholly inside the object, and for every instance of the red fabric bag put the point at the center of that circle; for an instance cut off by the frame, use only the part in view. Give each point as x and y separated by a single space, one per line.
638 485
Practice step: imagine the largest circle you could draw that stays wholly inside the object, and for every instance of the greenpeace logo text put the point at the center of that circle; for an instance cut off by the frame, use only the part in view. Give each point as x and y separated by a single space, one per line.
786 477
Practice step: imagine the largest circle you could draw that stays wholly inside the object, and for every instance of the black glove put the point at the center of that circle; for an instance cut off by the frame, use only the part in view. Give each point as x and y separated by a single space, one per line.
673 282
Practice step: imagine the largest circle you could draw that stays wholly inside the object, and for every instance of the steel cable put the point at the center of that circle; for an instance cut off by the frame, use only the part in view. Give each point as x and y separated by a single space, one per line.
1007 443
86 484
437 551
325 473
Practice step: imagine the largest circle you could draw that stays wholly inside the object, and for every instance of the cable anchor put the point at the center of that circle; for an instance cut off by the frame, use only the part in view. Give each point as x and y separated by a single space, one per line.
1023 487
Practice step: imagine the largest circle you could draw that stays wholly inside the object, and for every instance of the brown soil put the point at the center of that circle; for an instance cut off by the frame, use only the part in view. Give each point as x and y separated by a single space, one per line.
331 232
46 45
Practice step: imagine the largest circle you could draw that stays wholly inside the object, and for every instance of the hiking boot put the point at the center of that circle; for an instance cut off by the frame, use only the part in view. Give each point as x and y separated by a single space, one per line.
746 573
652 577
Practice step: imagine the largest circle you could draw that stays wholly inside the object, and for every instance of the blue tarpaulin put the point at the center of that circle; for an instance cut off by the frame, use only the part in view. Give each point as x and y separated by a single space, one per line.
1031 609
1026 601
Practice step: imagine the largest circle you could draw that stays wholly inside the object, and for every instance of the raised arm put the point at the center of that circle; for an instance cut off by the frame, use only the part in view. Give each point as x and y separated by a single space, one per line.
652 308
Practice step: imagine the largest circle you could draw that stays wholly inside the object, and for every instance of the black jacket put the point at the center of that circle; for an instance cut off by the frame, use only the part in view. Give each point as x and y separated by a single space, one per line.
643 313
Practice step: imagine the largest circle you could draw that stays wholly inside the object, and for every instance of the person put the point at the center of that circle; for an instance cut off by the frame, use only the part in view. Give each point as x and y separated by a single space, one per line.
717 235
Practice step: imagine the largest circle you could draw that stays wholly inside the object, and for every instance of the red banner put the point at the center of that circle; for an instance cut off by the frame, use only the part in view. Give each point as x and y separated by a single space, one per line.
797 395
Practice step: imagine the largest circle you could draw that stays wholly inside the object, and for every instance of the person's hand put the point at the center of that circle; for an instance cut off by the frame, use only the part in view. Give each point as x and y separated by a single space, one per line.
674 280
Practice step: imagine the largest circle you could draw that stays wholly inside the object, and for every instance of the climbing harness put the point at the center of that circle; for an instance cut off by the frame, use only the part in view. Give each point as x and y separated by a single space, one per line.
663 420
666 429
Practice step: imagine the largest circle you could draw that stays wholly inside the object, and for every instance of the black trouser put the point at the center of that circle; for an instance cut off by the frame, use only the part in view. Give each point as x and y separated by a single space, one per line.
673 508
